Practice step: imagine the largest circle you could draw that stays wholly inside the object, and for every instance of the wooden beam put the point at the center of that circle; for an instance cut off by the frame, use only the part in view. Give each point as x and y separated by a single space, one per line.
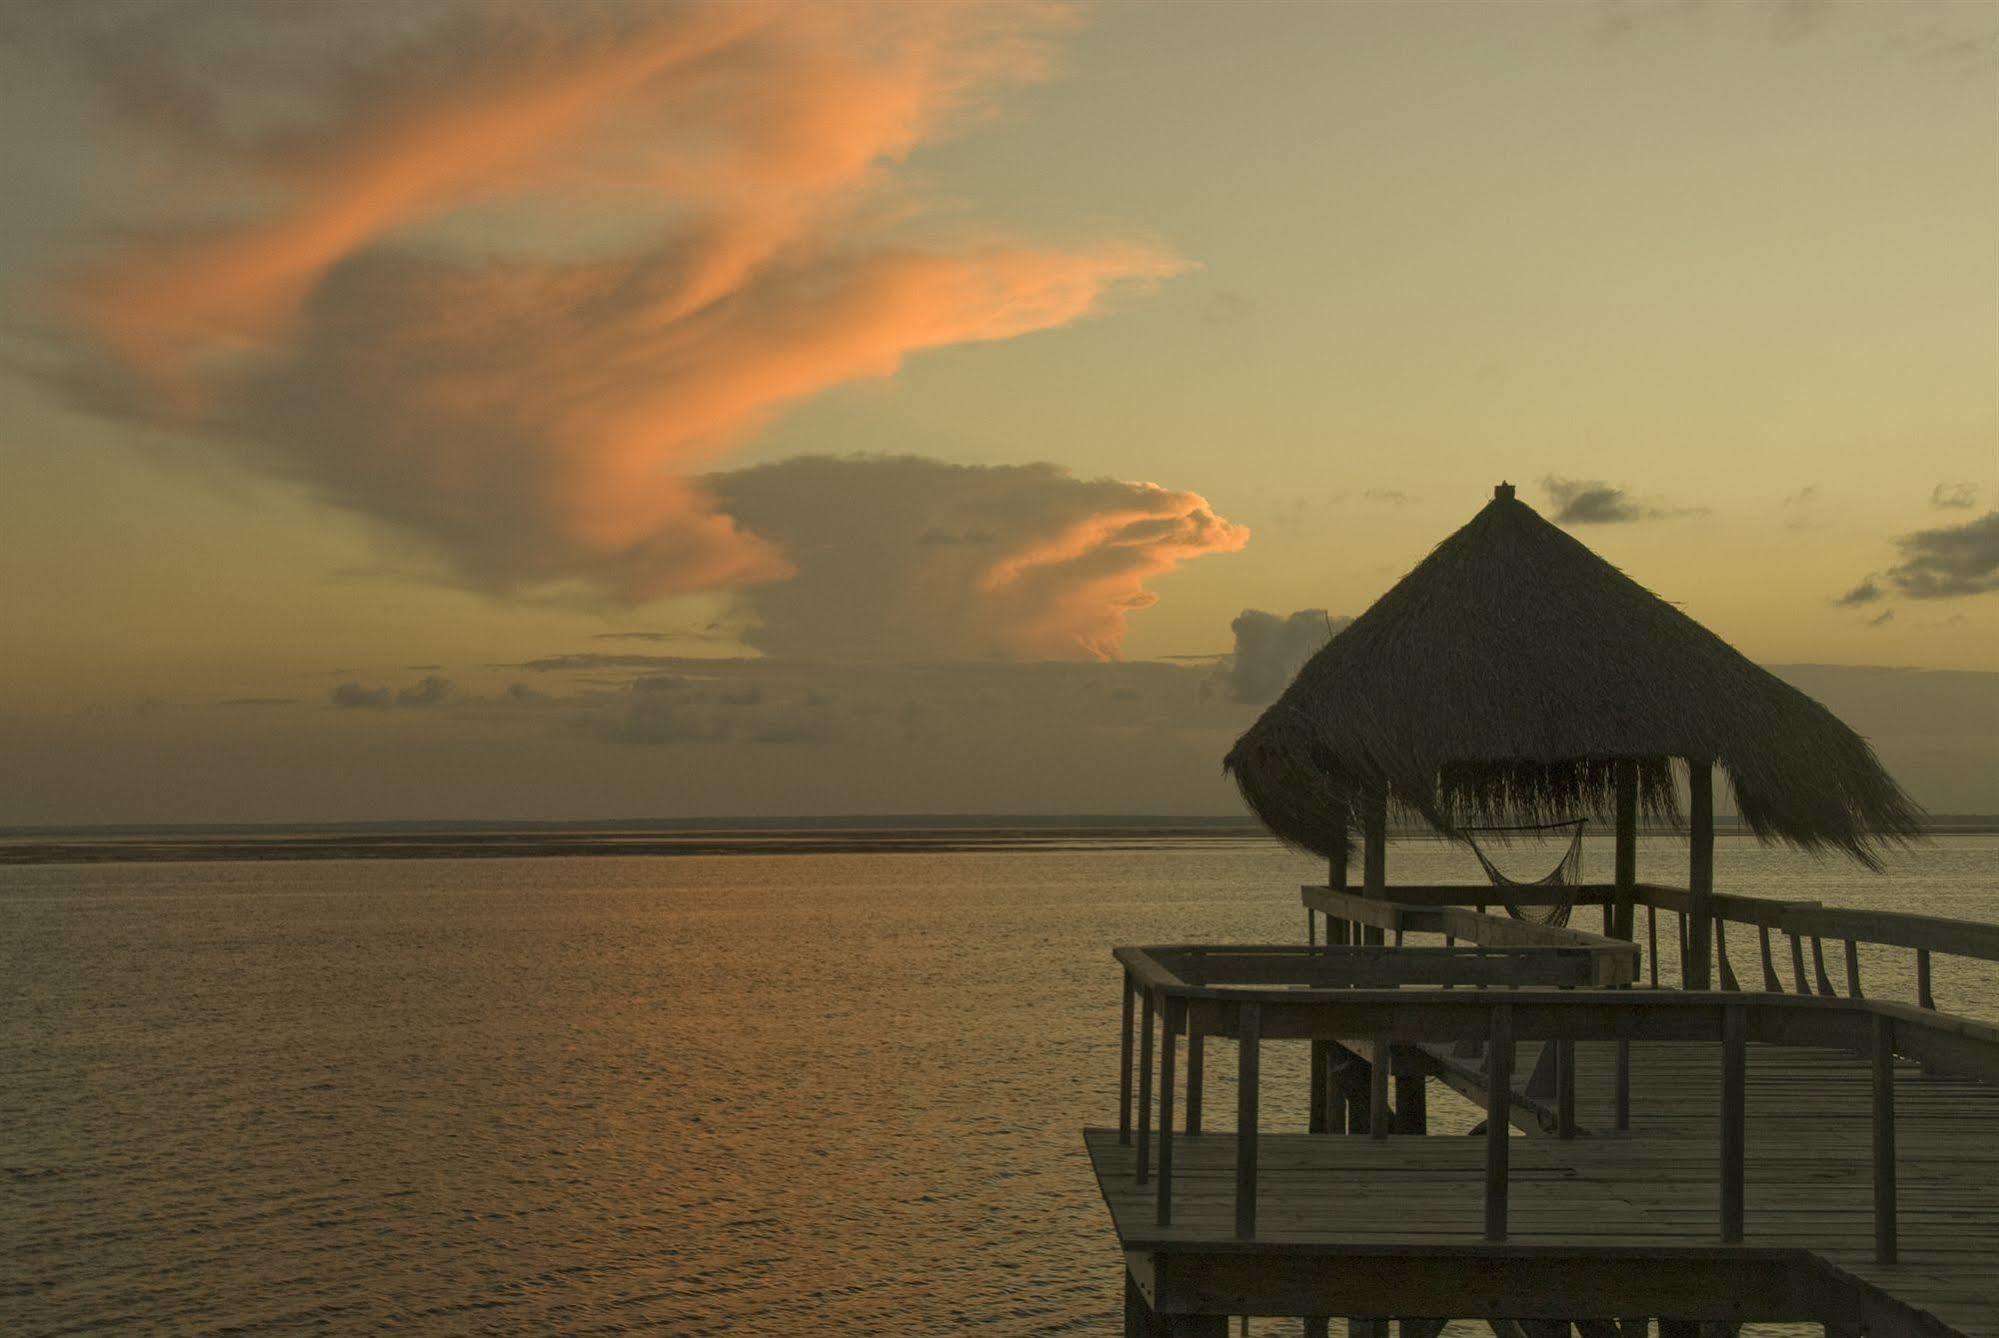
1565 1089
1196 1048
1885 1248
1175 1012
1374 861
1249 1037
1124 1064
1380 1119
1498 1127
1734 1098
1145 1089
1625 873
1318 1093
1695 973
1412 1094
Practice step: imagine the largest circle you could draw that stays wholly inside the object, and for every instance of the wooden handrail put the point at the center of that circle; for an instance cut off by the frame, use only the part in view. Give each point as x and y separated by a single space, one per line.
1501 1017
1613 960
1439 908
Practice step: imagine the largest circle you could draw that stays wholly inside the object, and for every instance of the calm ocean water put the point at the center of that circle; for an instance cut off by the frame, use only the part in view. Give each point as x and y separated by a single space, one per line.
689 1095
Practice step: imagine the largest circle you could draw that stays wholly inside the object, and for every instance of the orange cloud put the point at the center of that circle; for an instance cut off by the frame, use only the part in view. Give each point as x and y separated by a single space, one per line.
902 558
537 413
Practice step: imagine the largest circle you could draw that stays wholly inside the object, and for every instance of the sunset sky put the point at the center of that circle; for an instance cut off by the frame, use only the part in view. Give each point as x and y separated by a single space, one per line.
627 410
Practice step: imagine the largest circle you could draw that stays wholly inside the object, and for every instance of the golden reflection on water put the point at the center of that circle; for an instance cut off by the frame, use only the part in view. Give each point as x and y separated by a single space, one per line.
681 1095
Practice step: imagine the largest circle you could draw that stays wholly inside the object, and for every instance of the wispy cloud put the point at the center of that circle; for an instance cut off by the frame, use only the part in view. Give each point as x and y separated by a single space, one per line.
1951 560
1595 502
1868 591
1954 496
539 413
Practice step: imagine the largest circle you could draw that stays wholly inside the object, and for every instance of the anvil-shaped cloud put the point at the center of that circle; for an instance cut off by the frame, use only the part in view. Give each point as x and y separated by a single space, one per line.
541 412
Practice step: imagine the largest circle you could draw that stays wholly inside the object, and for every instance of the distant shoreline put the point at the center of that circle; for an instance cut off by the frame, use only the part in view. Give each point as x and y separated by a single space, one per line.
858 835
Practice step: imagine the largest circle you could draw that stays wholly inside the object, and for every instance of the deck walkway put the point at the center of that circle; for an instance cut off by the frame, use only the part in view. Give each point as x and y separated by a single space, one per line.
1624 1219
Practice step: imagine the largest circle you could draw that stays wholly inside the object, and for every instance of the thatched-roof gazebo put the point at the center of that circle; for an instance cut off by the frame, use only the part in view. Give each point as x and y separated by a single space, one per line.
1515 676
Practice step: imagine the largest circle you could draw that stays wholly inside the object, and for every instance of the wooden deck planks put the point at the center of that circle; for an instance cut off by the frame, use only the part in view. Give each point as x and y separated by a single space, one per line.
1806 1186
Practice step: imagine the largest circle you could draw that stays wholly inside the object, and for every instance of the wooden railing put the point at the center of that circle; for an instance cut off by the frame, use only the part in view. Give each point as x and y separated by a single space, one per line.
1322 1008
1801 923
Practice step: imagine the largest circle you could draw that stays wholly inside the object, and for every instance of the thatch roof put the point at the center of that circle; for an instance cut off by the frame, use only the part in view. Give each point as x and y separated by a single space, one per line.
1503 679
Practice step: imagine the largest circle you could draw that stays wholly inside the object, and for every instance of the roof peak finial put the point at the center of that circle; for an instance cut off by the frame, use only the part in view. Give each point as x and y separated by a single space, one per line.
1503 493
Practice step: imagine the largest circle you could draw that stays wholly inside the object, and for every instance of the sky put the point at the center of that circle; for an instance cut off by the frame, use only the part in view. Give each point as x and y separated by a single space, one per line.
594 410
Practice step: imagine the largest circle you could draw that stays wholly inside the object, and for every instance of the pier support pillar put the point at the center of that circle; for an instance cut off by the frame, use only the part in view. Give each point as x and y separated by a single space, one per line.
1412 1097
1142 1321
1353 1091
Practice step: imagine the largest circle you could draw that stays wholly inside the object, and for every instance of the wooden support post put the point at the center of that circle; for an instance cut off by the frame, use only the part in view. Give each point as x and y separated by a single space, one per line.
1818 967
1924 999
1196 1046
1338 932
1374 857
1358 1083
1145 1090
1174 1011
1565 1089
1498 1129
1853 970
1771 981
1319 1096
1652 954
1696 974
1124 1065
1798 964
1380 1119
1249 1043
1622 1097
1884 1139
1412 1100
1734 1107
1625 869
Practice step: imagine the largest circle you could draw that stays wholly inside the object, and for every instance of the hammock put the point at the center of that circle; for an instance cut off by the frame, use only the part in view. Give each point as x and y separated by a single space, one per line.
1567 873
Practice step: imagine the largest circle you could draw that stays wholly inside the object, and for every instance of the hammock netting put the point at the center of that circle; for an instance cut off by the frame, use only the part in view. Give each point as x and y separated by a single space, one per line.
1567 873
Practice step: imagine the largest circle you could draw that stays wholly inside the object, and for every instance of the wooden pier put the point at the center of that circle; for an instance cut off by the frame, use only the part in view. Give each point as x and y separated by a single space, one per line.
1691 1157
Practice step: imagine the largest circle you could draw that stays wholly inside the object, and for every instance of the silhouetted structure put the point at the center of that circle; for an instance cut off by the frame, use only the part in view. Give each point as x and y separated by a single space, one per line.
1515 676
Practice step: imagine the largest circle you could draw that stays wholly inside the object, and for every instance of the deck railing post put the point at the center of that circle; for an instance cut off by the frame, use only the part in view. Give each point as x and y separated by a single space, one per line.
1924 999
1884 1139
1196 1052
1318 1099
1145 1090
1174 1010
1853 970
1652 932
1498 1116
1623 1096
1249 1042
1695 968
1625 867
1124 1066
1379 1119
1734 1110
1565 1089
1771 981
